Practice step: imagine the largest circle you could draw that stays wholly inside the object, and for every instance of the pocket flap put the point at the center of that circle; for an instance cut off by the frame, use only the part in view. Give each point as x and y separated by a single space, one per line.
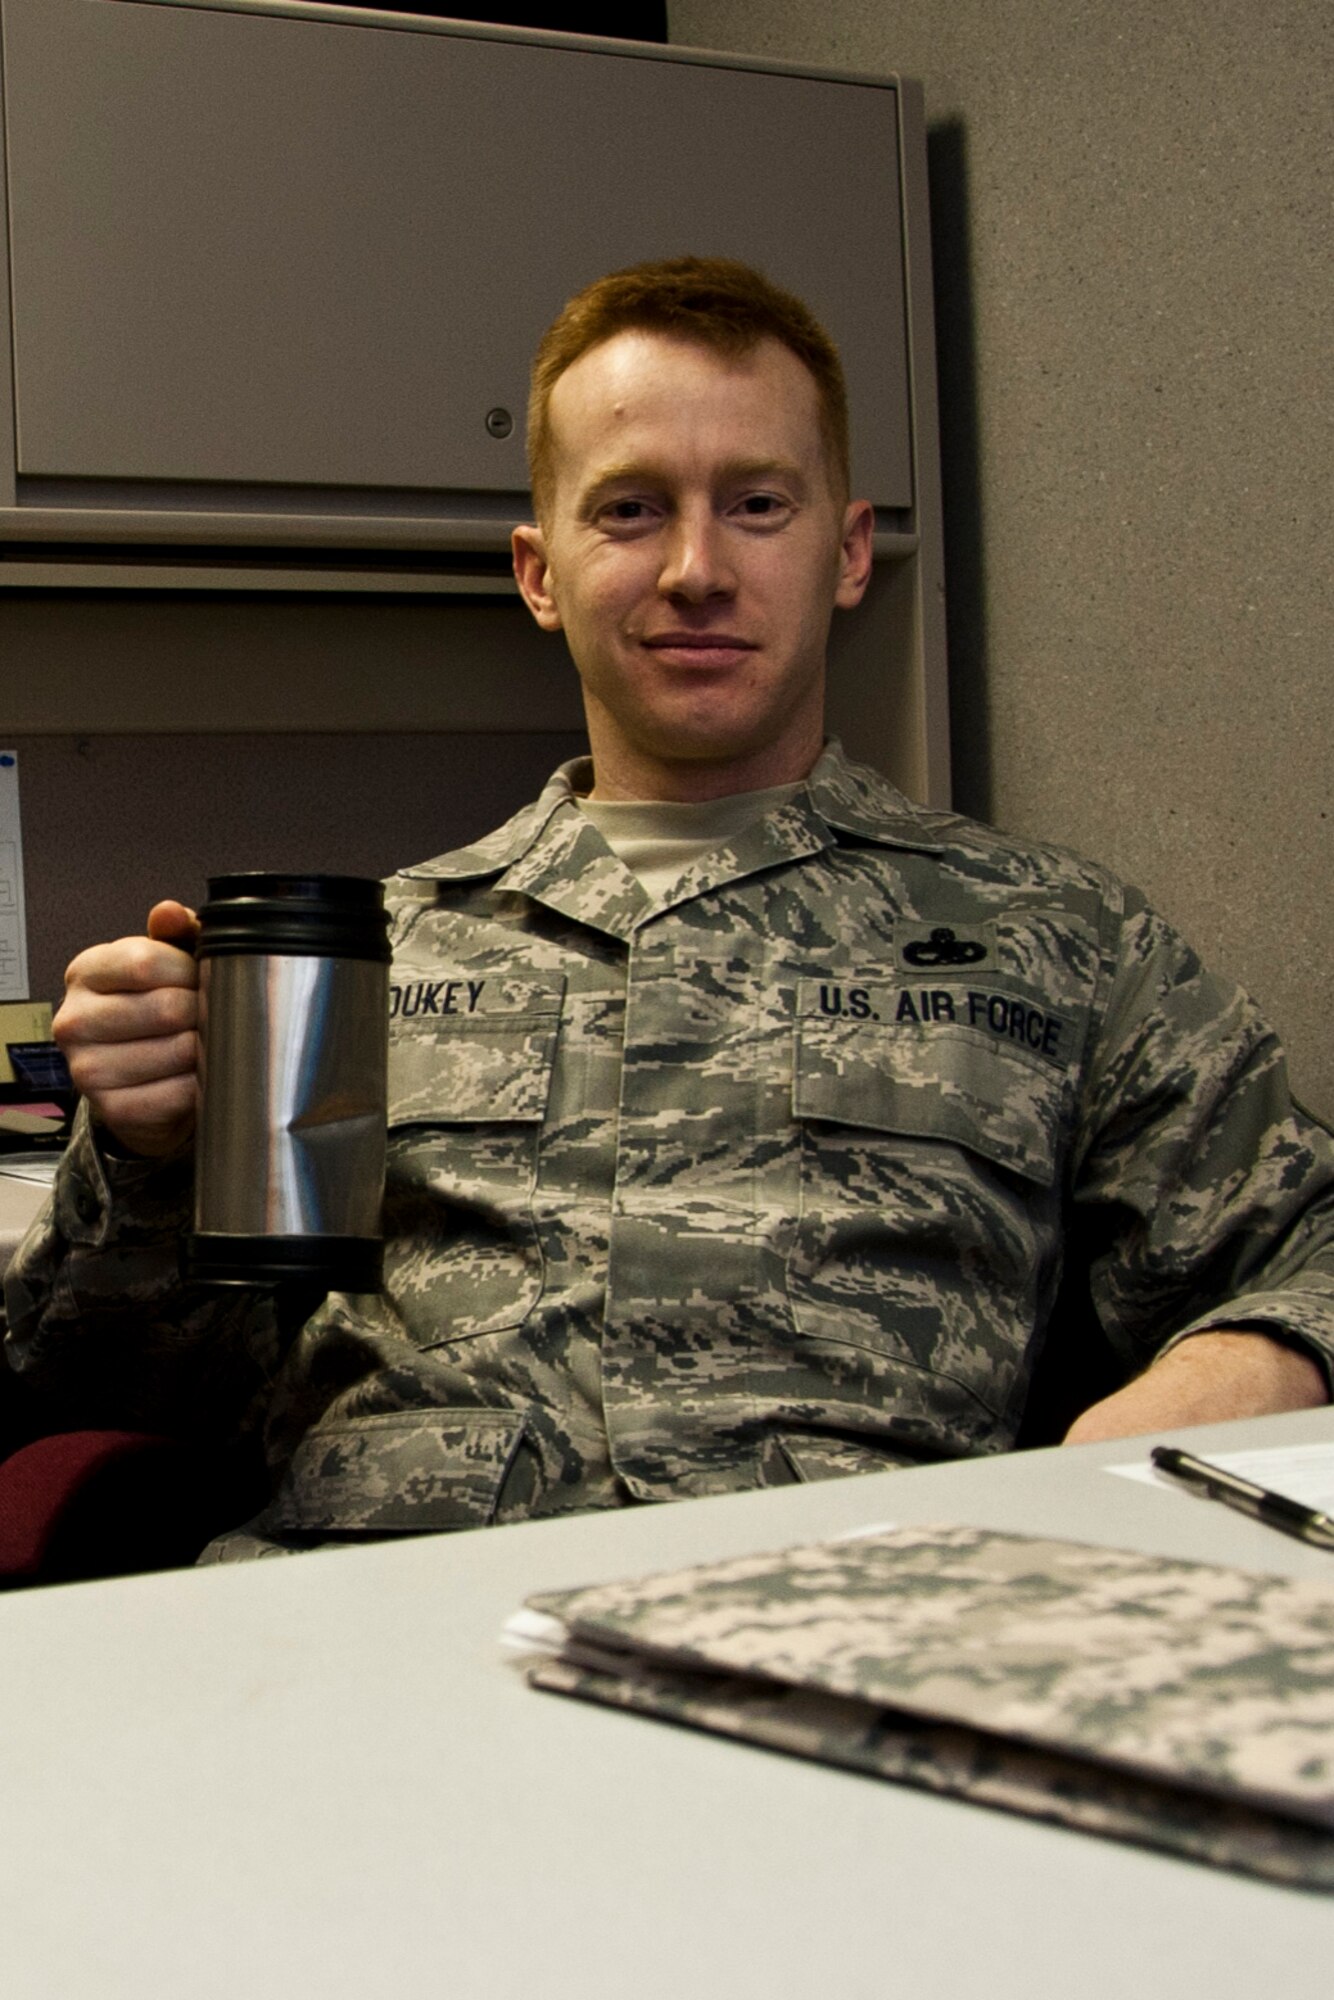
402 1472
950 1083
472 1051
812 1457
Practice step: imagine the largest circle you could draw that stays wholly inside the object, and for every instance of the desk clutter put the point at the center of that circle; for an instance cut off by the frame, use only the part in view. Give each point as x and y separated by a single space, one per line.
36 1095
1175 1704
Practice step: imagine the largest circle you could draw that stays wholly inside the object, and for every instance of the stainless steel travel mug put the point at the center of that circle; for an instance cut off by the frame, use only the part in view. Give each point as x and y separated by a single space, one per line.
294 1027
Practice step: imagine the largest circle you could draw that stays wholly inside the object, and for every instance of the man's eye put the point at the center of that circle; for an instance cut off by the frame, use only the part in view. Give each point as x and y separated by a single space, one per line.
763 506
629 511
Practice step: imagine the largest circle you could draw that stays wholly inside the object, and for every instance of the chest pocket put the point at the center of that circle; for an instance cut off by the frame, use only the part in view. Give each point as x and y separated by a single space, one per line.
469 1080
932 1152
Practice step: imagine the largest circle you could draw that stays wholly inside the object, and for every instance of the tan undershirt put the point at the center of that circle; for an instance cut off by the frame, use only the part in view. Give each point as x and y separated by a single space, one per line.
658 840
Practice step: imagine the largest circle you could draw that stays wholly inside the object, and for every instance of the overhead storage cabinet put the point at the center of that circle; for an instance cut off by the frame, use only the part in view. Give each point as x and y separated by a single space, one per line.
278 270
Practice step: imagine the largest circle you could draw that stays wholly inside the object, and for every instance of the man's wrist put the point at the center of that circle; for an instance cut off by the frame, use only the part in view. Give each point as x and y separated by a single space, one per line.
118 1153
1274 1359
1211 1377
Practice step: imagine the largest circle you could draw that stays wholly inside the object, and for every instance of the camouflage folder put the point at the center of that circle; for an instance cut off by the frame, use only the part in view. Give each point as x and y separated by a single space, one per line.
1175 1704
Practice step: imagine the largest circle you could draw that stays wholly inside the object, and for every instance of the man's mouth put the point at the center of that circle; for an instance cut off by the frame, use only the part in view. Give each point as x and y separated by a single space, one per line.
708 649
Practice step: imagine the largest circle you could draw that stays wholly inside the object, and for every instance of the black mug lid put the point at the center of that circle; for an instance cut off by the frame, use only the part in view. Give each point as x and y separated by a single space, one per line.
298 915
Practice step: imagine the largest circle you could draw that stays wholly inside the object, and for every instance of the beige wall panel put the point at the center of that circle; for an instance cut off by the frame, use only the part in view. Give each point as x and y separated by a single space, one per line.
89 661
1133 252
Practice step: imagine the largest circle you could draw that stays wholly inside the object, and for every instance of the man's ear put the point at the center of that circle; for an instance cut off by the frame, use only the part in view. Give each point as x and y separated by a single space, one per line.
533 577
855 554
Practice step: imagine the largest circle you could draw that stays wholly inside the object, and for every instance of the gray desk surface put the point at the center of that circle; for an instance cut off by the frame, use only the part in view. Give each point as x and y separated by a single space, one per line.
318 1777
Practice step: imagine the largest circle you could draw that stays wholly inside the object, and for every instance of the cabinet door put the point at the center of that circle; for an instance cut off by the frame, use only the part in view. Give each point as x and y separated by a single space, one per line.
252 249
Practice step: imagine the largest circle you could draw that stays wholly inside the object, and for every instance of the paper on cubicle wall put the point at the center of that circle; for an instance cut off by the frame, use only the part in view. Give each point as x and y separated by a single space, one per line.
13 926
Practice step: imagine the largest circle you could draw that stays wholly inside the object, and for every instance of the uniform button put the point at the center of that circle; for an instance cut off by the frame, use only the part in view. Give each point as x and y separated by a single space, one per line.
85 1205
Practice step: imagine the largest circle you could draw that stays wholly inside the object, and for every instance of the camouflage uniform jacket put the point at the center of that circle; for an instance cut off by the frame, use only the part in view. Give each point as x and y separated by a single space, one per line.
773 1177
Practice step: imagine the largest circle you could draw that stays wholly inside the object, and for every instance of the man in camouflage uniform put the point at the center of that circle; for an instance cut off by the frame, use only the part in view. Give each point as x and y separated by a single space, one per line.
745 1117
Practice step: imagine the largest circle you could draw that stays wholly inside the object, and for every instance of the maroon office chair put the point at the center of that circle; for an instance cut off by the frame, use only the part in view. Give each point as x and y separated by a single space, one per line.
92 1503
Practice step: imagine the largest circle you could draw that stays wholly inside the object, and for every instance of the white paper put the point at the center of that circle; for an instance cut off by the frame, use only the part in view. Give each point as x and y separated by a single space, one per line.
533 1634
1302 1472
13 928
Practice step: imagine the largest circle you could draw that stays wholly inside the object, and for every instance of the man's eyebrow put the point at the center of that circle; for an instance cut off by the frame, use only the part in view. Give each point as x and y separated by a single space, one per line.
630 472
755 471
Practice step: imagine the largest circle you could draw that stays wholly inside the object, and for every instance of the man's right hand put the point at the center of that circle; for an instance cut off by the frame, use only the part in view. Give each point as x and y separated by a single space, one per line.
129 1030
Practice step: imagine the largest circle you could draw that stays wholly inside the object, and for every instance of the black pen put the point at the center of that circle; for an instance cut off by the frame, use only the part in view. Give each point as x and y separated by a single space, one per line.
1274 1509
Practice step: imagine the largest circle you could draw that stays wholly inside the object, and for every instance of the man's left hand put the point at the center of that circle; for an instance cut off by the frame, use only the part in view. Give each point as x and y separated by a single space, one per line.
1208 1379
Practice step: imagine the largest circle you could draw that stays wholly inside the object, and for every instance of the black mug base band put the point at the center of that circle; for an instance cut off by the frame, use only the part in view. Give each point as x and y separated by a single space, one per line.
332 1263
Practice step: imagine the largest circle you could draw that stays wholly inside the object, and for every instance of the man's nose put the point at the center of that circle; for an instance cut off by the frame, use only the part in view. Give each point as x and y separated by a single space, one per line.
696 563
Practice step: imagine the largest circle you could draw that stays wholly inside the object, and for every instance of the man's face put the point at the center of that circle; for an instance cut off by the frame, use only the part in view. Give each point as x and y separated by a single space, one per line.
693 556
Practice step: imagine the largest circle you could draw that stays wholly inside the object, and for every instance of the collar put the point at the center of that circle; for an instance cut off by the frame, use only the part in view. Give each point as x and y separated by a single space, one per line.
554 854
853 799
839 796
